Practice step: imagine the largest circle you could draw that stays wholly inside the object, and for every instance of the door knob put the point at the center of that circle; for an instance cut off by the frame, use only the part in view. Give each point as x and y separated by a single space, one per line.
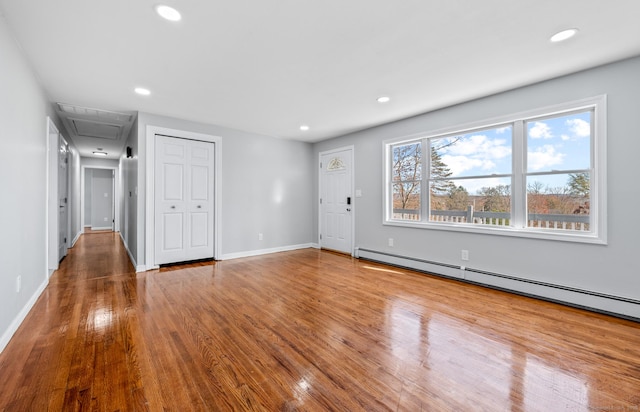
199 207
173 207
348 209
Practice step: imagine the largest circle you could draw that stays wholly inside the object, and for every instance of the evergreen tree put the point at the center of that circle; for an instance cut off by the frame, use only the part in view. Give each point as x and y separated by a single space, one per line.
579 184
440 171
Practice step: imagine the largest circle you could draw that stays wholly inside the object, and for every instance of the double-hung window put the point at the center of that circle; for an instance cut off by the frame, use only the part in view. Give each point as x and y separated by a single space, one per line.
538 174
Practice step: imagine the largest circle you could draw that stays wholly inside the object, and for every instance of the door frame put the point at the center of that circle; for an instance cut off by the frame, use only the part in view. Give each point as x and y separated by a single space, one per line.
116 187
52 230
67 211
151 132
351 150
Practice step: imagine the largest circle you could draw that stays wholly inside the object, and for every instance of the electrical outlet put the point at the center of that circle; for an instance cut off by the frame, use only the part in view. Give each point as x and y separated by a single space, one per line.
390 242
260 236
465 254
18 284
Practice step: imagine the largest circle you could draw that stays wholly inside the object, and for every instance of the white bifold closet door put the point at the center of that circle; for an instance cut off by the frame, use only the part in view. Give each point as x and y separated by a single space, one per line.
184 207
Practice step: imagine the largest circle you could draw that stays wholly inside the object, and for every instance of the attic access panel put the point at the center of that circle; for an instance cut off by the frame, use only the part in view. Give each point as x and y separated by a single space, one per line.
88 128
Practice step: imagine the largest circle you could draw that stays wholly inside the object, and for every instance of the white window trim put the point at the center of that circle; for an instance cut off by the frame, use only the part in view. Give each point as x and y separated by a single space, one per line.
598 186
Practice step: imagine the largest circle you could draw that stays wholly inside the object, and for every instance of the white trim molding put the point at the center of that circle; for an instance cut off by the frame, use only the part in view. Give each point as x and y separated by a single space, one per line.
17 321
259 252
598 302
116 192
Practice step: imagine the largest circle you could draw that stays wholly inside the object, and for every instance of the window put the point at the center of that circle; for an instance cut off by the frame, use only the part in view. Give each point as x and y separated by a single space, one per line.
407 180
537 174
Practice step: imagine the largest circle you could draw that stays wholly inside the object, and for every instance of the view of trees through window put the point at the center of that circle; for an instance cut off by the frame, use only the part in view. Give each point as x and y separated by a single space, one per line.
470 175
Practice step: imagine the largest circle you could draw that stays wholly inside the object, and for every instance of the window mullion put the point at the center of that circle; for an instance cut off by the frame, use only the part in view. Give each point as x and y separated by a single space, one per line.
424 183
519 178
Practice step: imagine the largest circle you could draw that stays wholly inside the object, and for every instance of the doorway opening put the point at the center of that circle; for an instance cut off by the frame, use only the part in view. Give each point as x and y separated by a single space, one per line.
58 202
98 199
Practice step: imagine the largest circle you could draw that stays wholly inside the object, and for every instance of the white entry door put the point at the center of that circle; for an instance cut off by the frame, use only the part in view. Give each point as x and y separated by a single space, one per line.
336 201
184 206
63 198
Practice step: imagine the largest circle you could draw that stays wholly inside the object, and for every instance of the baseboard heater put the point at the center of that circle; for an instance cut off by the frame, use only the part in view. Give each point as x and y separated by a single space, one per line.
594 301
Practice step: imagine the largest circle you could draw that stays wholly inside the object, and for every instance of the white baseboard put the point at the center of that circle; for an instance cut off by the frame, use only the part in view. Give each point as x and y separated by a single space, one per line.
102 228
17 321
75 239
138 268
315 245
249 253
595 301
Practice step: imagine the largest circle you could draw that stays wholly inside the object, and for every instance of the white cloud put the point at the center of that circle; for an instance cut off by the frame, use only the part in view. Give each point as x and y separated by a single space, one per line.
476 153
501 130
544 157
459 164
579 127
480 146
540 130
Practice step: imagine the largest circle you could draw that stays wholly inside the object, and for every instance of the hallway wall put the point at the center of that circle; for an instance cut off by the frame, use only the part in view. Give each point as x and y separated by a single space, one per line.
23 177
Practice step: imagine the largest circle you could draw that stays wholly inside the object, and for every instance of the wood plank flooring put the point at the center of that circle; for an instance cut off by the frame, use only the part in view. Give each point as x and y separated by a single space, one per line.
305 330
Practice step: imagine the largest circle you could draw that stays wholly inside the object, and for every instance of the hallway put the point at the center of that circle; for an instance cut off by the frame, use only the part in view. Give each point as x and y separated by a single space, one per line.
304 330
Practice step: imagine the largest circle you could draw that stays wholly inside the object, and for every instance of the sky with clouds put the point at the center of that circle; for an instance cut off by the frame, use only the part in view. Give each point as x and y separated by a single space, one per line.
553 144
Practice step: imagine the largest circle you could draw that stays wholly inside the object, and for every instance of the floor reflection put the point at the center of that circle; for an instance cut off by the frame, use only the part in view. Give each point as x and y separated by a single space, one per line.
468 362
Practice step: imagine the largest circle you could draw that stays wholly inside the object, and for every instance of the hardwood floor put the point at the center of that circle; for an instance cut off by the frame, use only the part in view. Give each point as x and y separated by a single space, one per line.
305 330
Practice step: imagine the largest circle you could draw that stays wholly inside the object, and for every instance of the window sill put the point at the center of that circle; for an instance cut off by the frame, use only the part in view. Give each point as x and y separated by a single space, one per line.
543 234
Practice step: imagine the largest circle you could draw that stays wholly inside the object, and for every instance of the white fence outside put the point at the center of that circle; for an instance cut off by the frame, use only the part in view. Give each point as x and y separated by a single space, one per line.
579 222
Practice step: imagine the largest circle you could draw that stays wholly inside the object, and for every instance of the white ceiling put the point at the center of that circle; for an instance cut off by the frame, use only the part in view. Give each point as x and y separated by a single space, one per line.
268 66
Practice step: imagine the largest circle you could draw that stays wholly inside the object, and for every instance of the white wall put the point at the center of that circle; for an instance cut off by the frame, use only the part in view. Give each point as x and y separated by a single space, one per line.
99 163
128 197
23 160
613 269
266 188
88 185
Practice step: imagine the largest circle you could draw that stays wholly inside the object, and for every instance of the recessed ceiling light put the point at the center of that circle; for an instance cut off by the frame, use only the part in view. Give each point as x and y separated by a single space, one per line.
304 127
168 13
564 35
142 91
383 99
100 153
